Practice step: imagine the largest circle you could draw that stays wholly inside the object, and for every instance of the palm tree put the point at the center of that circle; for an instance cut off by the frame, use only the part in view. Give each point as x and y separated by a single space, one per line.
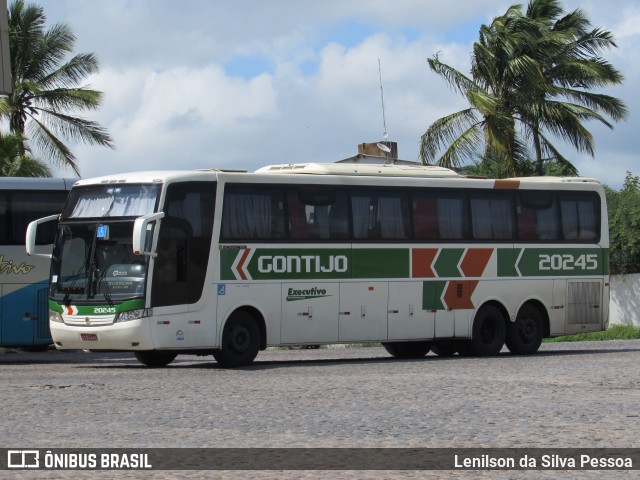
568 53
16 162
500 64
530 74
45 92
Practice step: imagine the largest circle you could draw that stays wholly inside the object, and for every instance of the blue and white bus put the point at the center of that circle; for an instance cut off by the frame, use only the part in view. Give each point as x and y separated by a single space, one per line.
24 280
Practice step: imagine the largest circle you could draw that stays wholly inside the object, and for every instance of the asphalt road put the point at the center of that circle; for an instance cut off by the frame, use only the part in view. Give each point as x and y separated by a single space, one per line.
573 395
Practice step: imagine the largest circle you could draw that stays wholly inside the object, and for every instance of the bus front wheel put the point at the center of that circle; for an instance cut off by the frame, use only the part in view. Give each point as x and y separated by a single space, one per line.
240 341
155 358
407 349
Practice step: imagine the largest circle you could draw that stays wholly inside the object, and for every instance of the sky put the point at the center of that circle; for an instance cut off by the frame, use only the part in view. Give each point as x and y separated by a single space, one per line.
196 84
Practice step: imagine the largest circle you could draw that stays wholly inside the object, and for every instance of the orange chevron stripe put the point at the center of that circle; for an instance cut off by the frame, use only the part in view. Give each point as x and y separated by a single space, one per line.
458 295
421 260
243 259
475 261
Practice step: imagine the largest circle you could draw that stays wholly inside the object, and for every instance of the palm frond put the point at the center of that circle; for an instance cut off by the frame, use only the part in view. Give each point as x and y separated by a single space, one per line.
454 78
444 131
465 146
47 142
77 128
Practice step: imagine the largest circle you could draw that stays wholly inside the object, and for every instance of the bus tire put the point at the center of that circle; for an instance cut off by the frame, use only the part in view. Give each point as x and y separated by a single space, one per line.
489 331
407 349
524 336
444 349
240 341
155 358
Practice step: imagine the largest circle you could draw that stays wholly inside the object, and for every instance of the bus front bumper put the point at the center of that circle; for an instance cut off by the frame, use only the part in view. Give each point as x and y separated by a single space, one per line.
128 336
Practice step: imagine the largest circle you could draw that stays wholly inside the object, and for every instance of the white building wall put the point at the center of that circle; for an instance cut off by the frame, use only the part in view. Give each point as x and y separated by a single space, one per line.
625 300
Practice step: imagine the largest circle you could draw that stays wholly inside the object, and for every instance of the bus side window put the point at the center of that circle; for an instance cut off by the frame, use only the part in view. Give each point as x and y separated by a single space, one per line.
452 216
184 242
491 215
527 223
362 209
252 213
3 219
380 215
339 217
298 223
580 214
425 217
29 206
318 213
538 216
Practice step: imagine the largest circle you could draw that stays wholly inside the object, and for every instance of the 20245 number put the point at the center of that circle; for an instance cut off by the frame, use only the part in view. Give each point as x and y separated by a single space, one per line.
567 261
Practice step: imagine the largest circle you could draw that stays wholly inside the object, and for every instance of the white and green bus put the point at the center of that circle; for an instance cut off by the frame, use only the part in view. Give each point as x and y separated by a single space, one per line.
417 258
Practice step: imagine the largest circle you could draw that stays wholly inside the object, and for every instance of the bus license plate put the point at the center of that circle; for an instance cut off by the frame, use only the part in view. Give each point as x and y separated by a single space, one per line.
89 337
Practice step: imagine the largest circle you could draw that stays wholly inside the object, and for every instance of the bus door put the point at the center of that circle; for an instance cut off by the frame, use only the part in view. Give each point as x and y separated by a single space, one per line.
453 308
24 315
363 311
310 312
408 317
180 267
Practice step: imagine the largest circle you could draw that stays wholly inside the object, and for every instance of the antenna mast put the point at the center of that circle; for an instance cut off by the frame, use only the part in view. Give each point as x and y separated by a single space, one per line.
385 135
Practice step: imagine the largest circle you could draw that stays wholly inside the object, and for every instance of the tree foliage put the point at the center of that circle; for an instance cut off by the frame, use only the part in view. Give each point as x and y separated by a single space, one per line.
624 225
15 161
45 93
532 77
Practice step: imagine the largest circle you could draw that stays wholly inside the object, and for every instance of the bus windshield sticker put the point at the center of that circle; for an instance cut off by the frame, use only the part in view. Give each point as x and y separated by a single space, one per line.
103 232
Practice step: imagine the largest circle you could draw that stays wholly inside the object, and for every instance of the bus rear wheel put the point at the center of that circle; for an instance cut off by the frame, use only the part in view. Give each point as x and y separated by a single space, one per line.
524 336
155 358
407 349
489 332
240 341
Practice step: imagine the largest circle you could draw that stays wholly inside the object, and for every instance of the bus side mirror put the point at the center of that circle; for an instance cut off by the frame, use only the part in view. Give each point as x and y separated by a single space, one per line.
32 231
141 227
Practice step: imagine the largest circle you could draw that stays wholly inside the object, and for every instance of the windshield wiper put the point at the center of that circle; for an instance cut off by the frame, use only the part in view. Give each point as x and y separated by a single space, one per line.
82 269
88 261
107 289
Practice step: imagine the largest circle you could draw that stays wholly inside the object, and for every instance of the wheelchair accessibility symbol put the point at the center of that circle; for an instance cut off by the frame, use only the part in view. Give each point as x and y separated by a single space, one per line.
222 289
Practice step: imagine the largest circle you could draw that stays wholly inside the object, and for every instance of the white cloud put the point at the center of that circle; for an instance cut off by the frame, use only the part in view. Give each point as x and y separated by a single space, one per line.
170 104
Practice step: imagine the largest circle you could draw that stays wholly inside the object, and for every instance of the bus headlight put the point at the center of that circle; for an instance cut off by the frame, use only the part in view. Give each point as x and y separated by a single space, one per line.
55 316
133 314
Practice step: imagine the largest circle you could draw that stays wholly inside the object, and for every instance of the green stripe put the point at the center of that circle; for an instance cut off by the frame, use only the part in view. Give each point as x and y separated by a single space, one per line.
432 295
345 263
101 309
446 265
548 262
227 257
54 306
507 260
381 263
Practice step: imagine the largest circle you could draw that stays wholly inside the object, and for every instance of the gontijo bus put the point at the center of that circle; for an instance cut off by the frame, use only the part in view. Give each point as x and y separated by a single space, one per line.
24 281
418 258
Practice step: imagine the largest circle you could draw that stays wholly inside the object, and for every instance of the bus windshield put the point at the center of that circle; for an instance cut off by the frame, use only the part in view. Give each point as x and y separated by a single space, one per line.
109 200
94 263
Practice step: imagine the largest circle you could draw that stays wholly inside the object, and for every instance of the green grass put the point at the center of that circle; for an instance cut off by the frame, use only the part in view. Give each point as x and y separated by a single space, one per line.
615 332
